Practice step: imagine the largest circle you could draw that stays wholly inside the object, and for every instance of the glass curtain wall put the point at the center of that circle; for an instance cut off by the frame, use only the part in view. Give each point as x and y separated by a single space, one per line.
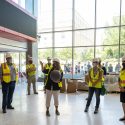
76 31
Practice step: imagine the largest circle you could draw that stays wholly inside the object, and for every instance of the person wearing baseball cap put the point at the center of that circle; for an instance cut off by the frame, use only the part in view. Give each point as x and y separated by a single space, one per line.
9 76
122 87
95 84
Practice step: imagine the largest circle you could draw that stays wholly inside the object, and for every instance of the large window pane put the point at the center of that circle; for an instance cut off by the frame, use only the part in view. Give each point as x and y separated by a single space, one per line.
122 51
122 40
63 14
107 36
65 56
108 12
63 39
42 56
29 6
22 3
84 38
44 15
109 56
45 40
123 13
23 62
84 13
82 61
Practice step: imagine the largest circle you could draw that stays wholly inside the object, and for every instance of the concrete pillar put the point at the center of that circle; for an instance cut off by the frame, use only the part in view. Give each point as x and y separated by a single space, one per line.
32 50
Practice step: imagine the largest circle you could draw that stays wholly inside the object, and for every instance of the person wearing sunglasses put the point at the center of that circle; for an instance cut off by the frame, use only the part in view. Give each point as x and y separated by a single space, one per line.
95 84
122 87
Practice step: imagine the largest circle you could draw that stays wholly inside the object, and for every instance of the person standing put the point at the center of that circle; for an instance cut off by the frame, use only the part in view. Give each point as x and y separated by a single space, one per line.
122 87
31 75
9 77
46 67
52 87
95 84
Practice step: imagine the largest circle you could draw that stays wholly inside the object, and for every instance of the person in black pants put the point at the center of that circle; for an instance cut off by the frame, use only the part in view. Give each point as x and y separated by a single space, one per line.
95 84
8 76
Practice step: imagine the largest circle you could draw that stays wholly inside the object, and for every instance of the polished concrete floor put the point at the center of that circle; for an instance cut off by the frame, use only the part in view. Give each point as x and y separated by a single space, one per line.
30 110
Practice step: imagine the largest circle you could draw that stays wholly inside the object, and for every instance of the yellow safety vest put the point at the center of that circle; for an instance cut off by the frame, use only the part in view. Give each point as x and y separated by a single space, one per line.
31 69
122 78
94 78
60 83
6 73
47 66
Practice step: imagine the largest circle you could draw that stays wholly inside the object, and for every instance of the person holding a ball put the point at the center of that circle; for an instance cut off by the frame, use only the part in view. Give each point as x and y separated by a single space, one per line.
53 85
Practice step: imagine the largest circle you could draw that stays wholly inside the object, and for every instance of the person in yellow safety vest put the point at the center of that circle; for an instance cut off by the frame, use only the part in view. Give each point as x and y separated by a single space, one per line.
103 71
47 66
9 77
31 75
122 87
95 85
52 87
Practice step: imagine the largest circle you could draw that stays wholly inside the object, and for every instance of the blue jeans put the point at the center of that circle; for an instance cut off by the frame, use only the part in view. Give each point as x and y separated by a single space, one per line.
97 93
7 90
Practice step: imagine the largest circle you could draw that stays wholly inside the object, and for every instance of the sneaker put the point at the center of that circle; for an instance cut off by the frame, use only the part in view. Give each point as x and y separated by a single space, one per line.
96 111
122 119
47 113
35 92
86 109
57 112
10 107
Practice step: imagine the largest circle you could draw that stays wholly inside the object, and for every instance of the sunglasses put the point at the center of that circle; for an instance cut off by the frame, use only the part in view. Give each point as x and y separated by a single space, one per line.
95 62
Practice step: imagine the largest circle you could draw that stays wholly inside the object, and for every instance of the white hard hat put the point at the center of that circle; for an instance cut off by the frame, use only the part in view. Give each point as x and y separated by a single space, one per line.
8 55
48 58
99 59
95 60
123 58
56 60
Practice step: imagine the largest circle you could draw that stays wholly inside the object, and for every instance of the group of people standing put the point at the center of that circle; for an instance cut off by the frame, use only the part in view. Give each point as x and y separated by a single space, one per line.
9 77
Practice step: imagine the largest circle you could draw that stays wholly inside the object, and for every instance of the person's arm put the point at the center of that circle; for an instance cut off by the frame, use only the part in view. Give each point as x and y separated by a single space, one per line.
0 73
89 75
42 67
120 87
61 76
99 79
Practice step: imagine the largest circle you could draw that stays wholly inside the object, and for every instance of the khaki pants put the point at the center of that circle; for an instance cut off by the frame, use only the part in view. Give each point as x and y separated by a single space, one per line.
49 94
31 79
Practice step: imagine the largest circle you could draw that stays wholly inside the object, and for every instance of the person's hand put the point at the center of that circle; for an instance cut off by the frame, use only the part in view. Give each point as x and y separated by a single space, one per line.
41 62
93 84
122 89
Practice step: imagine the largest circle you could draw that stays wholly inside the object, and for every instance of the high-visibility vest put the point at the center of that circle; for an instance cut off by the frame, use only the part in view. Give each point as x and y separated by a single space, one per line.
122 78
6 74
31 69
47 66
60 83
94 78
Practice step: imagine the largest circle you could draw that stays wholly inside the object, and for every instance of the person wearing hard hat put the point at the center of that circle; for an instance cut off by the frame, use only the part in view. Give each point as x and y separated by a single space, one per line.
47 67
122 87
95 84
9 77
31 75
52 85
